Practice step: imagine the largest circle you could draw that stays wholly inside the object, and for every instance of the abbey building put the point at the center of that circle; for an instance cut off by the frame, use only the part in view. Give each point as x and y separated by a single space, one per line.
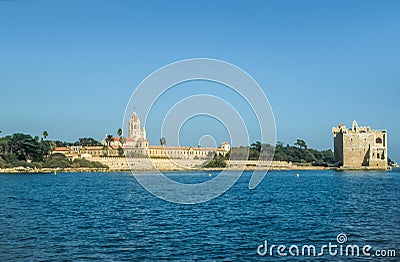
137 145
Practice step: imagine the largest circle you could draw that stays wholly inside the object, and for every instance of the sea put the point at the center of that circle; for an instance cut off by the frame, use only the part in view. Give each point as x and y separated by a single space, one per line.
111 217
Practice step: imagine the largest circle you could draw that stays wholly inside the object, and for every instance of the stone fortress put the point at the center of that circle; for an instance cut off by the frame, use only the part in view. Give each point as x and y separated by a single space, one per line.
360 147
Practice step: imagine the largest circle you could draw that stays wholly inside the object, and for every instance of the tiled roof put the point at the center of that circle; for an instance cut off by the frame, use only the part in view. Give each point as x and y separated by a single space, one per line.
183 148
61 148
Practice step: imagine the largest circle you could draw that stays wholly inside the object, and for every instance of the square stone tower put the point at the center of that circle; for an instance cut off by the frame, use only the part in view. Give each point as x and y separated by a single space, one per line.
360 147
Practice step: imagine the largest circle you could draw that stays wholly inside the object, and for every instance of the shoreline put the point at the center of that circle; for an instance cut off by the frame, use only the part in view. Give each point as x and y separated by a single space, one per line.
166 166
105 170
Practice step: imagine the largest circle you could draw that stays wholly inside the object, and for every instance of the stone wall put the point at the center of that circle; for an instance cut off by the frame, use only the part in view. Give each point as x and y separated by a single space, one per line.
146 164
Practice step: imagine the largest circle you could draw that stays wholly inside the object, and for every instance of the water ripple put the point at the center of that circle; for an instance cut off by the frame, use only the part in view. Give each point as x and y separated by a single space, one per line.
108 216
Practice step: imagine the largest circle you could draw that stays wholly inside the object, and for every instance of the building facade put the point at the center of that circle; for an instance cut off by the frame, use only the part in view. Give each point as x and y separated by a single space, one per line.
360 147
186 152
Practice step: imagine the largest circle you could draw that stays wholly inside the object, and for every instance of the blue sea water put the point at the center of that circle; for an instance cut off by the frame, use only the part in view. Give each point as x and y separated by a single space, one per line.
110 217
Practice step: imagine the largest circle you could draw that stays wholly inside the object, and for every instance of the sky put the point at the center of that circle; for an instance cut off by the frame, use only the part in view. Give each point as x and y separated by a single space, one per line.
70 67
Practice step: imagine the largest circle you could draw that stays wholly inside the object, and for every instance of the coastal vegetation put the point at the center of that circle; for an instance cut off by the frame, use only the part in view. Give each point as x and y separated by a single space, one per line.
84 141
298 153
23 150
218 161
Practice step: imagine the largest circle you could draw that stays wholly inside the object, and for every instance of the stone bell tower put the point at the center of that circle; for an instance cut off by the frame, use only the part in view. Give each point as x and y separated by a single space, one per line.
134 128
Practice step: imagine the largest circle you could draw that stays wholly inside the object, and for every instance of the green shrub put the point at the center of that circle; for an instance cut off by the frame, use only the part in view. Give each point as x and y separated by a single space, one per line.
57 160
80 162
218 161
2 162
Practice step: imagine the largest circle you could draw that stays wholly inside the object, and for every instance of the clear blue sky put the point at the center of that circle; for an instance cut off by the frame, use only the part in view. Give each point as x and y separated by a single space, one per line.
69 67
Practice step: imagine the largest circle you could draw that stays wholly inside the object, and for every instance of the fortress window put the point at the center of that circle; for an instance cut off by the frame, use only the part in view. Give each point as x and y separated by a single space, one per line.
377 155
379 140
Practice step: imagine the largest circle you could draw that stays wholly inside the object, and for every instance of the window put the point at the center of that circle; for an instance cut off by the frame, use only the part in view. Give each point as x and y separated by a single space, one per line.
379 140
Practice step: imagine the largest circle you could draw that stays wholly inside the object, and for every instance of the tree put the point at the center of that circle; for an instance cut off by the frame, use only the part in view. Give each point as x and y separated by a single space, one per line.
25 147
108 139
301 144
87 141
218 161
120 151
46 148
255 150
45 134
4 147
163 141
256 146
122 139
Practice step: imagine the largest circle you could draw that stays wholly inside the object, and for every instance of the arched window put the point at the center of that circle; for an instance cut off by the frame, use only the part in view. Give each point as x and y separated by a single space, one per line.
379 140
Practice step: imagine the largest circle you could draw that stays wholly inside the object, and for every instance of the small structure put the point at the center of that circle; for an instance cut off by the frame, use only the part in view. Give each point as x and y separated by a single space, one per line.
360 147
225 146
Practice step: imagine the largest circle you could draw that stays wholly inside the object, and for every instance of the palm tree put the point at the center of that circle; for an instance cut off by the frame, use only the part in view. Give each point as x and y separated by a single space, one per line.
163 141
122 140
108 139
45 134
256 146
